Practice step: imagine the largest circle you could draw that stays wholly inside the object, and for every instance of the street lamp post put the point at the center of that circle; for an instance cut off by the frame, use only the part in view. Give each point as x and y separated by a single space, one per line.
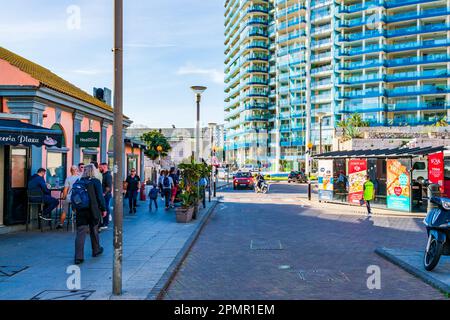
212 179
321 115
198 90
118 147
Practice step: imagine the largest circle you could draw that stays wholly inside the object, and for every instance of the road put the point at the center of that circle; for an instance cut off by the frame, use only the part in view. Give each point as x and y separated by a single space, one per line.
271 247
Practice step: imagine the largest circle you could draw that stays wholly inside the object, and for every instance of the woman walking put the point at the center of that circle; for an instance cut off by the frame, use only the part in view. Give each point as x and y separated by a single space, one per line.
88 218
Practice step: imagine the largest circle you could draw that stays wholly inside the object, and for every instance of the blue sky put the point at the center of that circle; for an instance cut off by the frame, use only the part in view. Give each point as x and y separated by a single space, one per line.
169 46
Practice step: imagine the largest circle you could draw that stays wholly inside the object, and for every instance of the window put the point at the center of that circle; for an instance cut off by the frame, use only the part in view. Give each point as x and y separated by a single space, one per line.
56 168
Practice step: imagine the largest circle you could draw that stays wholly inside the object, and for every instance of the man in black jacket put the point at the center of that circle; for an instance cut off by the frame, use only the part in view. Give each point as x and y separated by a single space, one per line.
107 193
37 184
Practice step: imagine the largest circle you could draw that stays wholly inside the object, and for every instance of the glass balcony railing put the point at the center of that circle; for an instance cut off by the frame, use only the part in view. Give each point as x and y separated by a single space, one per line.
360 50
264 117
361 64
296 142
418 29
322 56
256 106
355 94
418 90
360 6
361 79
413 106
290 10
362 35
414 75
418 60
417 45
358 22
362 107
321 69
413 14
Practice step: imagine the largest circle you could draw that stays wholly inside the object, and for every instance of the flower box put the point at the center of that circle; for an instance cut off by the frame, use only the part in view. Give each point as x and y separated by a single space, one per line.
184 215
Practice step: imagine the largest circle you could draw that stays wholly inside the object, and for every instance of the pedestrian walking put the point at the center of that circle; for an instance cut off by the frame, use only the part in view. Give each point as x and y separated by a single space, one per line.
37 184
133 184
153 196
174 177
167 185
203 184
107 193
67 193
369 193
88 200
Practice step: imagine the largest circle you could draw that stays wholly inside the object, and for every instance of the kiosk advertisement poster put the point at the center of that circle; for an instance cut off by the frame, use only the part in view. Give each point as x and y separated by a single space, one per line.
398 185
357 171
326 180
436 169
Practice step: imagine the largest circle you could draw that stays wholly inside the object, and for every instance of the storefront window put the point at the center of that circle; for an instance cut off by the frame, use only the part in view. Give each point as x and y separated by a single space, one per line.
56 168
132 163
18 168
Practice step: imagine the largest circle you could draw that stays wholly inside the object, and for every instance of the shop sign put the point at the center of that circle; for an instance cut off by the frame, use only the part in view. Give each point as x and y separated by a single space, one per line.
30 139
357 171
436 169
326 180
398 185
88 139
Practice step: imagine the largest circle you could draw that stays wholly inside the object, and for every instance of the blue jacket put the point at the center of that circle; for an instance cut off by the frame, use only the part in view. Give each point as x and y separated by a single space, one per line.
38 183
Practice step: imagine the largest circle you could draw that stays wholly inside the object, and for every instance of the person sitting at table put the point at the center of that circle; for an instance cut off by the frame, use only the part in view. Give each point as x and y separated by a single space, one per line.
37 184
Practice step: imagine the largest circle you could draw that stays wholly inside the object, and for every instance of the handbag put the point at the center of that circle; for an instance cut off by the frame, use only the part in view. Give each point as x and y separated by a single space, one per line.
361 202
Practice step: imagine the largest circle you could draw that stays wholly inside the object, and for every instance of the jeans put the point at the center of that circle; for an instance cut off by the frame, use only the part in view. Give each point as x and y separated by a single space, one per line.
153 201
167 194
369 210
132 199
108 198
50 204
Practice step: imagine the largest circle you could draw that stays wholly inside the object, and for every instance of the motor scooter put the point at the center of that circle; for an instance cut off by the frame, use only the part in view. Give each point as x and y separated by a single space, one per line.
264 188
437 223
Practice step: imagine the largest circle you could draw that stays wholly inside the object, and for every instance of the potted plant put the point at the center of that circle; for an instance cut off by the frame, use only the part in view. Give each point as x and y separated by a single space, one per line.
185 212
191 196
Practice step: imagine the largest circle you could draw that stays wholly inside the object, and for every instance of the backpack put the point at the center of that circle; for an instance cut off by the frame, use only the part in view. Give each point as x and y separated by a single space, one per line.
153 193
80 196
166 183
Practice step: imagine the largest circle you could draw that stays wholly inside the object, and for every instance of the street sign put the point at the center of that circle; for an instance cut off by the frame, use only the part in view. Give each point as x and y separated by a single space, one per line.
88 139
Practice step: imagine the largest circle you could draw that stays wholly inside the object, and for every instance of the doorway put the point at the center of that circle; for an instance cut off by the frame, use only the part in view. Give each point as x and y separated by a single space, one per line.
17 171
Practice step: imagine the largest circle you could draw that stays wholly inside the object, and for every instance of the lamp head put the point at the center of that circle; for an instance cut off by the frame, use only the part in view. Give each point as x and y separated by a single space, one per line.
198 89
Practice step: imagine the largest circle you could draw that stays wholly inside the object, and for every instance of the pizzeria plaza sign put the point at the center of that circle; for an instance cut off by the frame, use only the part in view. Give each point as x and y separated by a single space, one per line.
16 139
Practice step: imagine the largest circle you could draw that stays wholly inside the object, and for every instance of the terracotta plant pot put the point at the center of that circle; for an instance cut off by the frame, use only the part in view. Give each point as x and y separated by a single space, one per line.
184 215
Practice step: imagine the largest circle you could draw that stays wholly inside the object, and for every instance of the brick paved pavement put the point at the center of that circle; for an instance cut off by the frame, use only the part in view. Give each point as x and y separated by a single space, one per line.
323 256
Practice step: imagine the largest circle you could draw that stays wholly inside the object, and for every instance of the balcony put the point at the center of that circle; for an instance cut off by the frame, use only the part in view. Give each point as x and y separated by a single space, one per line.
362 35
360 7
417 30
361 64
428 74
361 79
362 108
321 57
413 15
435 58
360 50
423 106
418 90
263 117
290 10
256 106
417 45
355 94
295 142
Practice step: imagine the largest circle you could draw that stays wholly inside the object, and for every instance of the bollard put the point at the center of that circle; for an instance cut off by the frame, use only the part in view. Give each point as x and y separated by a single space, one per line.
309 190
433 190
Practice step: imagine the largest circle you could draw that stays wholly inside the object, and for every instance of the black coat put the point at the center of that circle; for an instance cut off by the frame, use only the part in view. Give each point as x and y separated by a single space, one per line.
94 214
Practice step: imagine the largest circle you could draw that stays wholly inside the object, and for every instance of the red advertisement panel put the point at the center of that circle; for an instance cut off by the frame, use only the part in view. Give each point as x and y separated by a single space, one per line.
436 169
357 171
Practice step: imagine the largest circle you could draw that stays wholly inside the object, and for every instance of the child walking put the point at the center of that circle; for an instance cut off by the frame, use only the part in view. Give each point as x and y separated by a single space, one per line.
153 195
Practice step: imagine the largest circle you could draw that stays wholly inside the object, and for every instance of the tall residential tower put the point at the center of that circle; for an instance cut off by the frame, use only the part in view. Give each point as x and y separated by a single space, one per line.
293 64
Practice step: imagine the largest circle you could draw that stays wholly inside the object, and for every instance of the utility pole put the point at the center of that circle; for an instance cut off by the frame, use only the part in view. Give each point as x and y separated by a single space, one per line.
118 146
308 92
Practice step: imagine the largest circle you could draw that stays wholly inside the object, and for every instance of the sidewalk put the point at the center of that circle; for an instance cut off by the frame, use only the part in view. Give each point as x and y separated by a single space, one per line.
152 241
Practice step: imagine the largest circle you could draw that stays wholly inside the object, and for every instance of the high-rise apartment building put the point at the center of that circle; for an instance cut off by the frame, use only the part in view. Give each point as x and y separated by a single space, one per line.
293 64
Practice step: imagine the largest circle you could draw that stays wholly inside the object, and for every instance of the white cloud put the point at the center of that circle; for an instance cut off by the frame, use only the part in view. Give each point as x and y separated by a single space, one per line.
215 75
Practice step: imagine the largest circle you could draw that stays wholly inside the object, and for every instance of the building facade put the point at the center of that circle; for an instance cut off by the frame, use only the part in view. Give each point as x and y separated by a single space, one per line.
292 65
35 100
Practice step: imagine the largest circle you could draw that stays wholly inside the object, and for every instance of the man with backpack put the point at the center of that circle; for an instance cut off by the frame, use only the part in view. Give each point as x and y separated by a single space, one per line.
167 185
88 202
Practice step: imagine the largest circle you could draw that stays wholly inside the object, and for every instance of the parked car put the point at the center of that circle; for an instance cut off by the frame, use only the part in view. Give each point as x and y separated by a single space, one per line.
243 179
222 173
297 176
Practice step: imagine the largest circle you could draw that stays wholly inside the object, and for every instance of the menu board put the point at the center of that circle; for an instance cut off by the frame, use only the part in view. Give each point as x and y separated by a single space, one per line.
357 171
326 180
436 169
398 185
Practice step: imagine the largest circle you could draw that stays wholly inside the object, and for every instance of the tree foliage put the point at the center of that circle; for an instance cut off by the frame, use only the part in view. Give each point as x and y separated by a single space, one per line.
351 126
153 139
